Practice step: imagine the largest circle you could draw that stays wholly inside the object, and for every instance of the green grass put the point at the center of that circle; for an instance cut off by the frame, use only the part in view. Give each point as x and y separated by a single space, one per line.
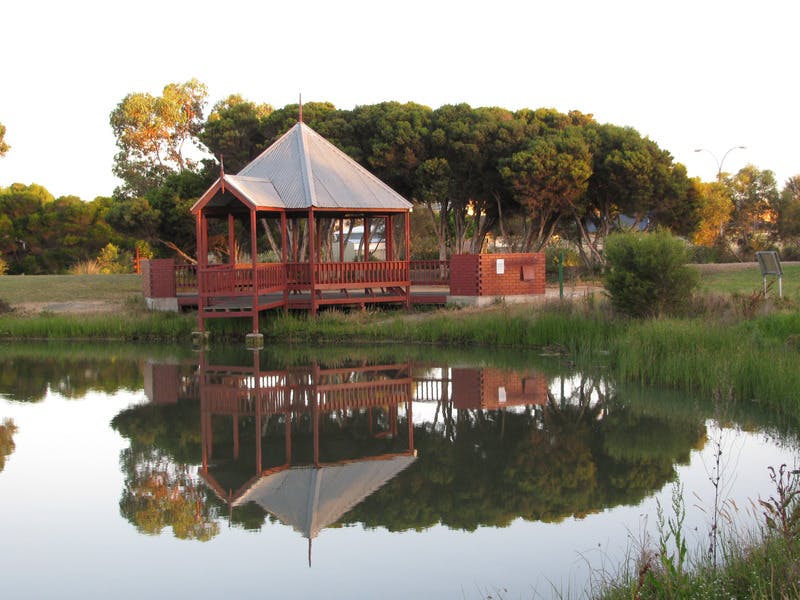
131 325
17 289
745 278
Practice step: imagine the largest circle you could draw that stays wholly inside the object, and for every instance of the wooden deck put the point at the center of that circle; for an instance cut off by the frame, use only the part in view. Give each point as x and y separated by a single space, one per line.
229 306
220 291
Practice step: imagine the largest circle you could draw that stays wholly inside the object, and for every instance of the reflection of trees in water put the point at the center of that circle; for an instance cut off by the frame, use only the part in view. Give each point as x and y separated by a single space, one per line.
160 493
581 451
160 488
27 379
7 431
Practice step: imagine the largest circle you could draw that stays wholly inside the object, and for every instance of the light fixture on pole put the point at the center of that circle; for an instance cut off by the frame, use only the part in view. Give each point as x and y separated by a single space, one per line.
724 156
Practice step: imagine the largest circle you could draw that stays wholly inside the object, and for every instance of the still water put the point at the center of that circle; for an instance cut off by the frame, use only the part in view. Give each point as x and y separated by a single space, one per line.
347 472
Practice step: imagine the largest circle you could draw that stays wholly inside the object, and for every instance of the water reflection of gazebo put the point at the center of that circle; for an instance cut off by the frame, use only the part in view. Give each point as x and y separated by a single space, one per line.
307 492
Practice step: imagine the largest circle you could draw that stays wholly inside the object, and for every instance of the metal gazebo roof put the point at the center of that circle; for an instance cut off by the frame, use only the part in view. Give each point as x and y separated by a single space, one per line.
303 170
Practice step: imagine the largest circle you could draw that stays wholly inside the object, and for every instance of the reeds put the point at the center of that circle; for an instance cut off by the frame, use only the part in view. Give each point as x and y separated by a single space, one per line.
134 325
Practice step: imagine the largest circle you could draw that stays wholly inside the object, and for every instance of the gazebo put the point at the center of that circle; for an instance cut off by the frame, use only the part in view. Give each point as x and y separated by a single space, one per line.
277 234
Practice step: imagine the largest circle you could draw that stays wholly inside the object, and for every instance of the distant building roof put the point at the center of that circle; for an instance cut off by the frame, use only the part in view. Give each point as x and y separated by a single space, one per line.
303 170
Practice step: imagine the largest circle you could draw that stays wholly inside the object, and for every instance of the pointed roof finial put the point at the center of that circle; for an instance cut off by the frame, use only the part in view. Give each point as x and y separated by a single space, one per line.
300 105
222 171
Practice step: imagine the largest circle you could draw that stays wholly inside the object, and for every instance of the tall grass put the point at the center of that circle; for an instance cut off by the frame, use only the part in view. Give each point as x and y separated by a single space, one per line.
574 332
129 326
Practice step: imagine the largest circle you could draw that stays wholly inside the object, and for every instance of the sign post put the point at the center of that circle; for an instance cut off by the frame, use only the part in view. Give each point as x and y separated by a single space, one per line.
770 264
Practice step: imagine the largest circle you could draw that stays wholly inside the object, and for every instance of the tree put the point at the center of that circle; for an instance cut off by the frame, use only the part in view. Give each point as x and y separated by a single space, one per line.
755 200
234 131
152 132
4 147
634 178
40 234
548 179
163 216
390 139
714 213
789 210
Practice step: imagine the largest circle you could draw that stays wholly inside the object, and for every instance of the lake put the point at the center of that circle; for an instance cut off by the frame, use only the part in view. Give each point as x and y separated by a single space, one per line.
399 472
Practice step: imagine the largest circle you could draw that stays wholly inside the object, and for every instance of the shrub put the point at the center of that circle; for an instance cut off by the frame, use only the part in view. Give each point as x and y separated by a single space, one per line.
86 267
3 267
647 274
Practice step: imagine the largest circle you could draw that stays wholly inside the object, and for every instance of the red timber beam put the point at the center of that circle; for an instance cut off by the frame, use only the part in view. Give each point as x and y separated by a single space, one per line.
312 259
407 226
202 257
284 260
254 261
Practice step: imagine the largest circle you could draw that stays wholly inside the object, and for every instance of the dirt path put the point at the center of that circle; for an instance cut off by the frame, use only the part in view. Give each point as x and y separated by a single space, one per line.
75 307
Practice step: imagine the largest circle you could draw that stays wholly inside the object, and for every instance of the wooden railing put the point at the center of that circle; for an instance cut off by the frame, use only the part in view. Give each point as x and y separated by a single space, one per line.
226 280
240 281
186 279
361 273
430 272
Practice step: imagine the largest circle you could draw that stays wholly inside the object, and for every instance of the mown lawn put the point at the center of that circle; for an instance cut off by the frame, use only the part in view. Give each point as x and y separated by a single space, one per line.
18 289
745 278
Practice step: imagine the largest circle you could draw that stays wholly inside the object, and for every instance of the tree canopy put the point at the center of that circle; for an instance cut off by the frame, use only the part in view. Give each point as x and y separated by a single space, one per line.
152 133
482 179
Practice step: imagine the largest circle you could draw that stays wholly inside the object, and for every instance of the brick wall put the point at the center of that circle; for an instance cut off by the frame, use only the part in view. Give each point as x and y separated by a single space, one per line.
464 277
161 383
476 274
158 278
492 388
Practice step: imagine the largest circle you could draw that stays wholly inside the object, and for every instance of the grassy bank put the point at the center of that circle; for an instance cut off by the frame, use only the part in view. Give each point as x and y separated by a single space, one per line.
130 324
18 290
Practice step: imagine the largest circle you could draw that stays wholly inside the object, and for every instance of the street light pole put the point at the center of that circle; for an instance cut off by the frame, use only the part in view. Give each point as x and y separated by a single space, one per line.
724 156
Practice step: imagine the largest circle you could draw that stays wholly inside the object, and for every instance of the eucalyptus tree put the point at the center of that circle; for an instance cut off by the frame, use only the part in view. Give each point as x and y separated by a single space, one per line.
548 179
153 133
390 139
234 131
42 234
631 177
715 208
755 199
460 183
789 211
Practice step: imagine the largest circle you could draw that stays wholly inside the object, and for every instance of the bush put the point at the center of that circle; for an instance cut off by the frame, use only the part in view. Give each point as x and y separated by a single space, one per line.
647 275
3 267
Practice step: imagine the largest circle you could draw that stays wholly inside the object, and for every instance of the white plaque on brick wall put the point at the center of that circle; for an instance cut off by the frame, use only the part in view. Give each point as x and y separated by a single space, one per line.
501 266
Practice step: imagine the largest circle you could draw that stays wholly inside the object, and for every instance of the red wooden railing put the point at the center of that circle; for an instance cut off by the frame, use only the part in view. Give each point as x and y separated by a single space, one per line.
430 272
240 281
373 272
229 281
186 279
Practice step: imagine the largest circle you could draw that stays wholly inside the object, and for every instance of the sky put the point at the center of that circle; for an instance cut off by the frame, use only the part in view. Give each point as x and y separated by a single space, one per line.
687 74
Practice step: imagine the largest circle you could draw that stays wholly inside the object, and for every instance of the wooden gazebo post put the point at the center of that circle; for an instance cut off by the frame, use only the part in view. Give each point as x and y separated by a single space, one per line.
312 260
407 223
284 260
254 261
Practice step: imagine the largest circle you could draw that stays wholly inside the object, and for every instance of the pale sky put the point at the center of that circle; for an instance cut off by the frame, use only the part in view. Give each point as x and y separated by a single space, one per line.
687 73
